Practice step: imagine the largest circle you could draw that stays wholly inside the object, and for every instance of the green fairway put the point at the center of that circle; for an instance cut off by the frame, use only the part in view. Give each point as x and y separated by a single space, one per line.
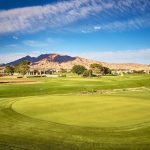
49 86
108 113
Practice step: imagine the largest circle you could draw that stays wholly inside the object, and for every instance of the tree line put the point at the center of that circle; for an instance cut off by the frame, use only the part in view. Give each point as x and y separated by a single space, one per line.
21 68
94 70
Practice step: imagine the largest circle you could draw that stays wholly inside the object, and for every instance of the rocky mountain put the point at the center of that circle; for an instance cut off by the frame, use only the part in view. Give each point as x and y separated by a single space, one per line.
57 61
49 57
1 65
28 58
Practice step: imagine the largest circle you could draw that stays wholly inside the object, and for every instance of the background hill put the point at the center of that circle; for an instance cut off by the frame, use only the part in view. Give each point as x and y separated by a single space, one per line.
57 61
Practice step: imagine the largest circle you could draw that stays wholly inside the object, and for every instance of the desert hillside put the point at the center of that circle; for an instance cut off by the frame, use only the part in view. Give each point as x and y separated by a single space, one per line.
57 61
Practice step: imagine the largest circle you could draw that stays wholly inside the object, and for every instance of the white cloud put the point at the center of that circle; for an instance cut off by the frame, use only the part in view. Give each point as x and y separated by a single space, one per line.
31 19
136 23
5 58
11 46
97 27
52 15
91 29
37 43
128 56
33 43
15 37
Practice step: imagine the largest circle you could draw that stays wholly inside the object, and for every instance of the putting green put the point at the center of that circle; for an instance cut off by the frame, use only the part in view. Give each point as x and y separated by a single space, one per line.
86 111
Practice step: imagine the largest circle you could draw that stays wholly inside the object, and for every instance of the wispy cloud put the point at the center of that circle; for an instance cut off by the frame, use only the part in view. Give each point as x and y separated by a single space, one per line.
15 37
33 43
31 19
135 23
5 58
11 46
38 43
90 29
126 56
52 15
130 24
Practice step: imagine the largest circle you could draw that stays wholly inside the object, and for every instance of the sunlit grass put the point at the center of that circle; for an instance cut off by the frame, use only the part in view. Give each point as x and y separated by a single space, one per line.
54 114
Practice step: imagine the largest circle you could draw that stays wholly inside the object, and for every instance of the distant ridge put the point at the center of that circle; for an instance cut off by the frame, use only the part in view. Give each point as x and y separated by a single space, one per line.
50 57
57 61
28 58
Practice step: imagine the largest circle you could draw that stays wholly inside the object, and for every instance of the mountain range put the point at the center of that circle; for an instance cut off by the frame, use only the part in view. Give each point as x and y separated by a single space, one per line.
57 61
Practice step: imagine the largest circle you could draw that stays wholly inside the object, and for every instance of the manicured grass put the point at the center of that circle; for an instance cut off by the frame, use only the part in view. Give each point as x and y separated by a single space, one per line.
53 115
89 111
72 85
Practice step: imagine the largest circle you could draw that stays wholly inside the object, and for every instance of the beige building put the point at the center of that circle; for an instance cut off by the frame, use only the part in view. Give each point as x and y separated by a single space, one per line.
2 71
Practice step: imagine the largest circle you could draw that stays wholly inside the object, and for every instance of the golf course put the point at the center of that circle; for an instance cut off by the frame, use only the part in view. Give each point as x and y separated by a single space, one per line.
105 113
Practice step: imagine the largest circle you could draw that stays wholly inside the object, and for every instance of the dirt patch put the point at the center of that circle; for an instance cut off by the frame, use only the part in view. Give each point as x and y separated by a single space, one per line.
113 91
18 82
8 77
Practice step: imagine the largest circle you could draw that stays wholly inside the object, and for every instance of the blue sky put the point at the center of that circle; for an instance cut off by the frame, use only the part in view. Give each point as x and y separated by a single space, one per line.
115 31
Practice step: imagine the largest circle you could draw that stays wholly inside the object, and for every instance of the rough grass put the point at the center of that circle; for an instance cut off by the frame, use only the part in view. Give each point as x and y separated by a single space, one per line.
51 116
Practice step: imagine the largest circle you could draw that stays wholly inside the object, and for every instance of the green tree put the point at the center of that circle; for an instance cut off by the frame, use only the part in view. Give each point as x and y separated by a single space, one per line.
106 70
96 68
78 69
87 73
22 67
9 70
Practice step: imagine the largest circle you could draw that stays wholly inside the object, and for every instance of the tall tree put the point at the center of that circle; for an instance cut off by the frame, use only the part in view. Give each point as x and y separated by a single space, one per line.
22 67
78 69
96 68
87 73
9 70
106 70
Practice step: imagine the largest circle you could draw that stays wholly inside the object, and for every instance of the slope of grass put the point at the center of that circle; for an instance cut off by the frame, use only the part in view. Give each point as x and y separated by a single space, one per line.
52 116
